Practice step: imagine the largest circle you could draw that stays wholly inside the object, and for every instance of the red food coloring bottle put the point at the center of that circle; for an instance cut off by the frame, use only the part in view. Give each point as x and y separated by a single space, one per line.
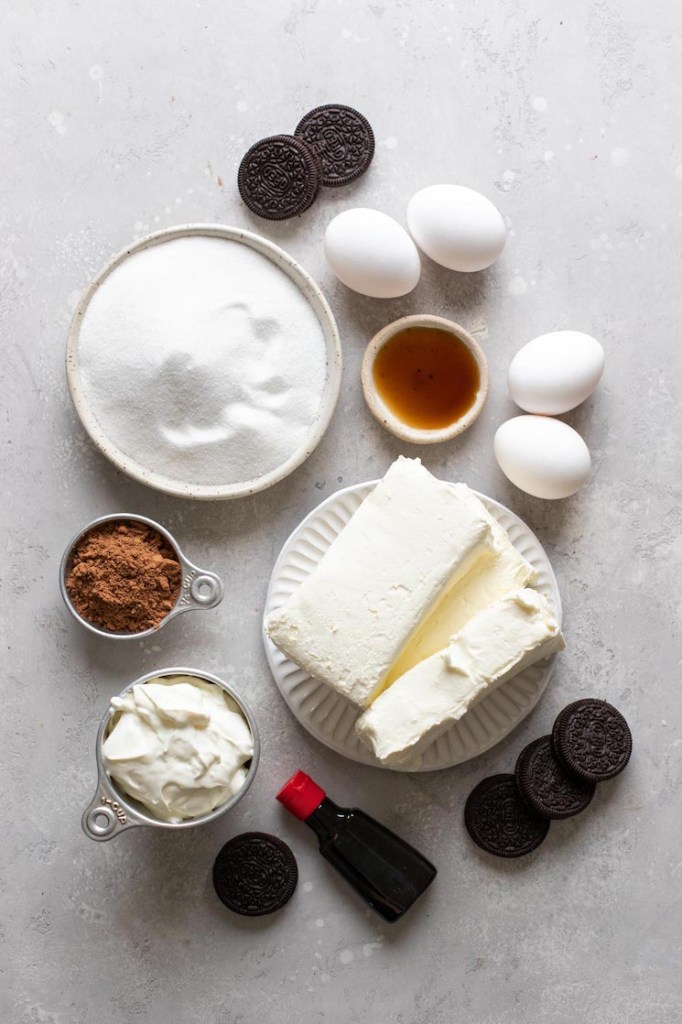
386 871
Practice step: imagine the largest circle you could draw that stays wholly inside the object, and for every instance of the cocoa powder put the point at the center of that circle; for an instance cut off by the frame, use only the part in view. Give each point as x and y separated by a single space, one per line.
123 577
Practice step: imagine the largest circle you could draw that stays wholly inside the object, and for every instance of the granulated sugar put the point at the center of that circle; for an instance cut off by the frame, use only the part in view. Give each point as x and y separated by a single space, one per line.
202 361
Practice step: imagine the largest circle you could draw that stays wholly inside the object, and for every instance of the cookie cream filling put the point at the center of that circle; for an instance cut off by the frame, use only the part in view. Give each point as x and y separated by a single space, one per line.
178 745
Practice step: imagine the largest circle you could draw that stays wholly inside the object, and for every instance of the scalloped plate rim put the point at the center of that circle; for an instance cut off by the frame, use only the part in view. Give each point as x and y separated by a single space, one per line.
360 756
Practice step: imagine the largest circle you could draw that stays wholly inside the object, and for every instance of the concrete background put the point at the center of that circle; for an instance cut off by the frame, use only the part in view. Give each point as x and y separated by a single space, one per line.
118 119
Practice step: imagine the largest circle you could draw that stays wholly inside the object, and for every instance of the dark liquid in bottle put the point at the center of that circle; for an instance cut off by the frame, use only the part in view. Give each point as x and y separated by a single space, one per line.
387 872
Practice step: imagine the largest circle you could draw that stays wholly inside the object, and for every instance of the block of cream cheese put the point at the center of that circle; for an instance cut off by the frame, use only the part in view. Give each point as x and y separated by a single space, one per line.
493 646
488 581
411 539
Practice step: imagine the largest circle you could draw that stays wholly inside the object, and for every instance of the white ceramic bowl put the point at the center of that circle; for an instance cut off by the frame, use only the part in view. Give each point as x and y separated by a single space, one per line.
330 392
386 416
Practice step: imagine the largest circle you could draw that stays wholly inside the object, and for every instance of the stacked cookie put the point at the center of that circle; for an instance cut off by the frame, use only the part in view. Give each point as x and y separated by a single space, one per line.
280 176
555 777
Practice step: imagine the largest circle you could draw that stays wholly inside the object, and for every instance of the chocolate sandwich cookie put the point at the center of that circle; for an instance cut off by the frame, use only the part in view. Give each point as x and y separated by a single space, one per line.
255 874
341 138
499 821
592 740
545 784
279 177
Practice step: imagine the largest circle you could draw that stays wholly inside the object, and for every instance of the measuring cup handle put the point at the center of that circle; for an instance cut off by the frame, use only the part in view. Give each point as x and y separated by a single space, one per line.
200 589
105 817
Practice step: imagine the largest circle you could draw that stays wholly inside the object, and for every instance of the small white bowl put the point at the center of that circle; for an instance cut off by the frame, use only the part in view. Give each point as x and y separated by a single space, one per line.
386 417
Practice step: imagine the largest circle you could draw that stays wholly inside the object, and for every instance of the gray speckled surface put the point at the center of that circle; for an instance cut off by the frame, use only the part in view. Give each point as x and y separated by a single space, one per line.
116 120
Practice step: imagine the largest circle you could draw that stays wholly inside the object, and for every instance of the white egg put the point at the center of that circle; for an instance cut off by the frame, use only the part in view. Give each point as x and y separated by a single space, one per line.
372 254
457 227
556 372
542 456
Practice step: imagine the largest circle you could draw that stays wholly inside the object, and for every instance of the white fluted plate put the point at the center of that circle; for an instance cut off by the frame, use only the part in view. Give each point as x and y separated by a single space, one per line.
329 717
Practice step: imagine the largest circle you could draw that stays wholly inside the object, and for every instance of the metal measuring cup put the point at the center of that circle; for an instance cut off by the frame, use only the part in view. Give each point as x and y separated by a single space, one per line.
111 811
199 589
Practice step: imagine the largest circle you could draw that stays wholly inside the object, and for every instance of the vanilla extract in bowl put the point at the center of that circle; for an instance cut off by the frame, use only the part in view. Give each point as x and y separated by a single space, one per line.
425 379
427 376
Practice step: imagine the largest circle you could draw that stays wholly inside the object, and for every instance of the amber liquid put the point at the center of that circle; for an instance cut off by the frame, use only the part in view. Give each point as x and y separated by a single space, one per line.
427 377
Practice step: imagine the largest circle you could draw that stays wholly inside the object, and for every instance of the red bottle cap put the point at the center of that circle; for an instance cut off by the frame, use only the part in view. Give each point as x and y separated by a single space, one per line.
301 795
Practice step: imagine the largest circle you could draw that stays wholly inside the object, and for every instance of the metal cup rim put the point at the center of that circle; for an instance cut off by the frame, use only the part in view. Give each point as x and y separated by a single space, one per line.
134 812
185 565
